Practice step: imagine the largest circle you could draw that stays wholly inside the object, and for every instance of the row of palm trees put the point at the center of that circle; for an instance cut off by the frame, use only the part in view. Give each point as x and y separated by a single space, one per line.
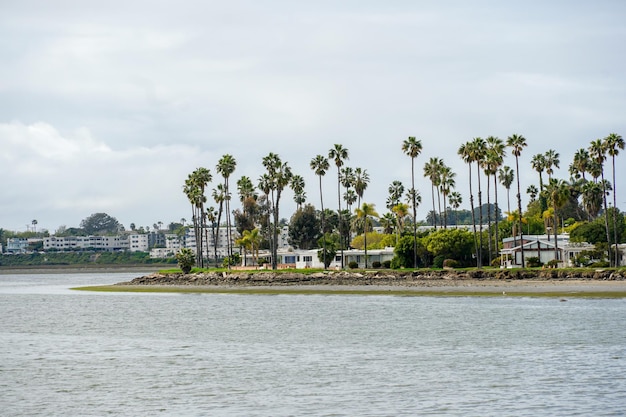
486 155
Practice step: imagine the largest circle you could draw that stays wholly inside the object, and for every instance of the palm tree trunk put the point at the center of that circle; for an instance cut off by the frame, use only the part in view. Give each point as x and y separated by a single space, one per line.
615 215
606 218
432 191
480 215
415 213
473 214
519 207
323 233
489 217
339 213
495 190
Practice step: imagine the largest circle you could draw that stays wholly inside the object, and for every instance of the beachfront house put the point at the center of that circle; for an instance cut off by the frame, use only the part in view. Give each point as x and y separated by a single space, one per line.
541 247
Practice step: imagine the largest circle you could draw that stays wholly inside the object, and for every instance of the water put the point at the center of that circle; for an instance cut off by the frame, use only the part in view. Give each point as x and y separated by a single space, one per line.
65 352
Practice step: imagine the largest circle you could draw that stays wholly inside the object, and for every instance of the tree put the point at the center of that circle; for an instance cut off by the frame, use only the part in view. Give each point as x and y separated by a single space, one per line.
551 158
226 166
558 193
506 176
517 143
401 211
465 152
478 151
431 171
219 195
455 201
339 154
186 258
246 189
412 147
396 190
366 211
278 176
361 181
493 161
320 165
100 223
304 228
532 191
194 187
613 143
446 184
329 243
299 195
450 244
597 151
581 162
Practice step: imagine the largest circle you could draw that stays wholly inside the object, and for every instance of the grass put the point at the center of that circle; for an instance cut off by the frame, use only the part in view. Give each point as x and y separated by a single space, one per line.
300 290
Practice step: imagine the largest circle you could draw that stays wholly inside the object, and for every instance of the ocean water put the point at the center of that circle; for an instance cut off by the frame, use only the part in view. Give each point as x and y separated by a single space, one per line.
74 353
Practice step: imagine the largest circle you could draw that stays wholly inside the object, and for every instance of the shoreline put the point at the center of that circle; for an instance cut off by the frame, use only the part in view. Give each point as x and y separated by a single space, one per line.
437 283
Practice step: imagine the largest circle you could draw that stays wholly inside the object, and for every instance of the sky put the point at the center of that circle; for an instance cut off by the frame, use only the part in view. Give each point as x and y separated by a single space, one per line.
108 106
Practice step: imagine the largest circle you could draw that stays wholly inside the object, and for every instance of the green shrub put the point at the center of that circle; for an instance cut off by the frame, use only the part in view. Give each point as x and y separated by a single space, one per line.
387 264
534 262
376 264
496 262
186 259
353 265
450 263
438 261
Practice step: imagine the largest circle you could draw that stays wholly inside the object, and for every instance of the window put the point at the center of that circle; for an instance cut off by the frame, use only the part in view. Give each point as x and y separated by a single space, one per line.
308 258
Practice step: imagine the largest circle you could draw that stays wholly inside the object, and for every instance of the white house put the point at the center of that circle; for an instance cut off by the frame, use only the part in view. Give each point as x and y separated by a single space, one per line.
542 247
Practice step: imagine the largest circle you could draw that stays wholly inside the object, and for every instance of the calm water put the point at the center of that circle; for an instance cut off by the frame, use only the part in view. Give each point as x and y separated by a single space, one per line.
72 353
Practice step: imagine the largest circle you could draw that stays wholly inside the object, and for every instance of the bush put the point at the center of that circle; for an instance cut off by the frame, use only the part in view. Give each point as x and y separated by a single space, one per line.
496 262
600 264
353 265
186 259
450 263
552 263
396 263
438 261
387 264
376 264
534 262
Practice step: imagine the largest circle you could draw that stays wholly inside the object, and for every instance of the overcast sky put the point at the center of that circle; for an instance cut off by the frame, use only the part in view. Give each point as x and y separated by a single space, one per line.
107 106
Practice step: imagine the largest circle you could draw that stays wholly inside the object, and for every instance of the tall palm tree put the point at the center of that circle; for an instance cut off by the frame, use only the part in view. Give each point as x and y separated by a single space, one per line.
280 176
412 147
538 163
246 189
194 189
339 154
361 181
401 210
465 152
558 193
319 164
350 198
581 162
366 211
299 195
219 195
431 171
613 143
455 201
388 223
479 150
518 143
597 151
226 166
494 160
446 184
592 198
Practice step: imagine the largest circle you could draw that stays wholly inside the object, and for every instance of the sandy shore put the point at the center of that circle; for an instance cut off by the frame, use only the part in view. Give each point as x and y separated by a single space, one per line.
563 288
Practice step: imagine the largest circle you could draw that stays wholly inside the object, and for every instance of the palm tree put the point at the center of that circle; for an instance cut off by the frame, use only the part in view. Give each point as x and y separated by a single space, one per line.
361 181
350 198
558 194
412 147
465 152
246 189
279 174
538 163
613 143
194 190
517 143
494 160
226 166
455 201
581 162
320 165
431 171
366 211
478 151
339 154
446 184
396 190
532 190
597 151
401 210
34 223
506 176
299 195
551 158
388 223
219 195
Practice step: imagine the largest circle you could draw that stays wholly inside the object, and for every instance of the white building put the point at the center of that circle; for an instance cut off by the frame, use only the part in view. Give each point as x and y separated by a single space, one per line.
542 247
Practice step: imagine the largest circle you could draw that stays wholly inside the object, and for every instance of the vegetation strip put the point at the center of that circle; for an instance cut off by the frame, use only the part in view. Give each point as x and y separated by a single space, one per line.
300 290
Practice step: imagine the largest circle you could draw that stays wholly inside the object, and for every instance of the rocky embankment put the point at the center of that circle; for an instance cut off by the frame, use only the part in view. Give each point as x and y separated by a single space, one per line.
378 277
